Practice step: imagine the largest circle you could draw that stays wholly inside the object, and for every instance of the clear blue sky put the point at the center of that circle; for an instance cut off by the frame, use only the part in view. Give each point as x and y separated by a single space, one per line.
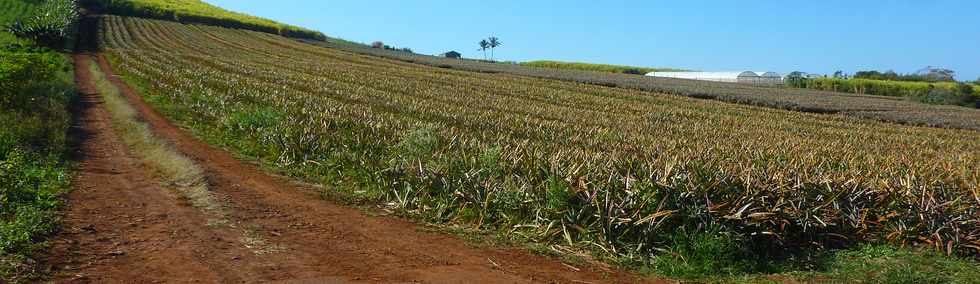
814 36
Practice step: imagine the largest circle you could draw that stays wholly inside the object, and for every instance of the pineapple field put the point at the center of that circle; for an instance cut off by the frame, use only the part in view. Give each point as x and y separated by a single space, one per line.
616 171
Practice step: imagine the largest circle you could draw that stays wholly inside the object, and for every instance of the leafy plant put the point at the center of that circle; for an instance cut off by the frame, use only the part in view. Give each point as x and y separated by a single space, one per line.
52 24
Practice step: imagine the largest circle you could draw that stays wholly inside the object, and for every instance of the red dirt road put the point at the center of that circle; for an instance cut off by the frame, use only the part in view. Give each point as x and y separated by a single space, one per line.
121 225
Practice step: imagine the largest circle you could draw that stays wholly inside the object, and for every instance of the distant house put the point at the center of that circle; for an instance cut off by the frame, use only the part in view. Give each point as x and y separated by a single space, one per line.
452 54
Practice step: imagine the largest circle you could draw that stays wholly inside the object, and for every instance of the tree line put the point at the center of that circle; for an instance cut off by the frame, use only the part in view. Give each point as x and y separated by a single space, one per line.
930 74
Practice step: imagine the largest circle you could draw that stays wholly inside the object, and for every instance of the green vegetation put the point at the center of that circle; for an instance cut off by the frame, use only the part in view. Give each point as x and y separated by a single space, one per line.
35 91
631 176
196 11
52 23
887 264
929 74
10 12
948 93
596 67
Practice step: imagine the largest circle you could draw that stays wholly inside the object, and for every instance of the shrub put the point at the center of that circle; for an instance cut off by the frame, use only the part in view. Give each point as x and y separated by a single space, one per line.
633 71
52 24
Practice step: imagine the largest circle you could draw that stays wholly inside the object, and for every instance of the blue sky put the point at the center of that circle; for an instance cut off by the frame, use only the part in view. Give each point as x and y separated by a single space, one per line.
813 36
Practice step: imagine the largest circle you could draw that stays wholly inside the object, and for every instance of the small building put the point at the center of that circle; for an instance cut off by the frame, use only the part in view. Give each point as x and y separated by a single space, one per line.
452 54
745 77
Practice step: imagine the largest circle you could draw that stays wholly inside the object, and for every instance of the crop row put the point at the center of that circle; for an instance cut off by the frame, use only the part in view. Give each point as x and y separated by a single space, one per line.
617 169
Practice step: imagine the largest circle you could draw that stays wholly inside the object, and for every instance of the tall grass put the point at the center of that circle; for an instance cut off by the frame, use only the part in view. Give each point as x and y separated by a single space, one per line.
174 169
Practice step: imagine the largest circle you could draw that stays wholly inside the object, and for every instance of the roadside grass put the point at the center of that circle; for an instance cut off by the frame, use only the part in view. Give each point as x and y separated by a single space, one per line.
889 264
36 91
176 170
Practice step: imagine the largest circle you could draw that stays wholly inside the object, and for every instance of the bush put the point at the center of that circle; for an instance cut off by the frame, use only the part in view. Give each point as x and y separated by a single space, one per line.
51 25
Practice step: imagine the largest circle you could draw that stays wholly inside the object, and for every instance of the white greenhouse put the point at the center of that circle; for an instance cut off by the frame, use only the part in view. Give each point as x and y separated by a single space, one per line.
747 77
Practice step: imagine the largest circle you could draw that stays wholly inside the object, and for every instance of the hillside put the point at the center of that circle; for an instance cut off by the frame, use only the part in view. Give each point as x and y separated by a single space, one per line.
197 11
596 67
554 161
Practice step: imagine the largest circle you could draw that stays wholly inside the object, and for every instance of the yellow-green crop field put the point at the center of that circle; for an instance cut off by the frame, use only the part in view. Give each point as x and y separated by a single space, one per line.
197 11
615 170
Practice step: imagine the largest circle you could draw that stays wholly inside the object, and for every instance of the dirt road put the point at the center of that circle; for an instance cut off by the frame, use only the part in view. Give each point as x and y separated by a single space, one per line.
121 225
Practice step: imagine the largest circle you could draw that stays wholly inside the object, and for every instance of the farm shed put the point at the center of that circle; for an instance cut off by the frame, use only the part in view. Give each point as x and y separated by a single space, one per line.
732 77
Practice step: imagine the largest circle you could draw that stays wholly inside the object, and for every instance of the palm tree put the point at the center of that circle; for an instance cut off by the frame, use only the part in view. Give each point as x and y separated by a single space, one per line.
494 43
484 44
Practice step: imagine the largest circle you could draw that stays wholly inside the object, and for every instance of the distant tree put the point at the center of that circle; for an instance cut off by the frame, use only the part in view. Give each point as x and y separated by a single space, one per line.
839 74
875 75
377 44
942 74
494 43
965 89
633 71
867 74
409 50
484 45
932 74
